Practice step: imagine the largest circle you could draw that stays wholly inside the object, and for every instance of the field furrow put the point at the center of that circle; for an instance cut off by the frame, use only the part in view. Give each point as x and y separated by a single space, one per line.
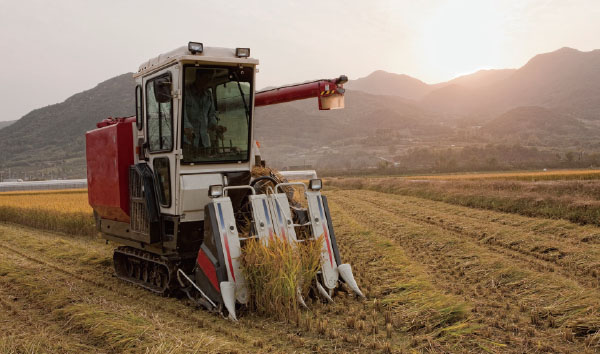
517 303
438 278
35 263
79 264
26 330
108 322
548 245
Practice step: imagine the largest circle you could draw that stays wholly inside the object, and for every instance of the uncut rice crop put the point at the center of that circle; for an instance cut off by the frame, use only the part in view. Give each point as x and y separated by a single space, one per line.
65 211
520 175
67 201
275 271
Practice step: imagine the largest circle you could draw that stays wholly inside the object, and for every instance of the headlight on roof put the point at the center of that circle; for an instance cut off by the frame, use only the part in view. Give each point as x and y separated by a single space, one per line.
195 47
242 52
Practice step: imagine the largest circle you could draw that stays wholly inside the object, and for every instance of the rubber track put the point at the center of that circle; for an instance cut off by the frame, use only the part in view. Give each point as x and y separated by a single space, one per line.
170 285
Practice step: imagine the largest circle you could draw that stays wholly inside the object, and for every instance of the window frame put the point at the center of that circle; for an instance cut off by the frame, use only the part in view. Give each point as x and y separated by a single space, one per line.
213 88
139 116
158 182
148 82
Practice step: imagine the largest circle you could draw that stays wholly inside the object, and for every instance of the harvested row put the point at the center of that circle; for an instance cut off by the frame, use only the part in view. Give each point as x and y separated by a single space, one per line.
573 200
554 244
85 265
433 283
552 175
68 283
108 320
518 307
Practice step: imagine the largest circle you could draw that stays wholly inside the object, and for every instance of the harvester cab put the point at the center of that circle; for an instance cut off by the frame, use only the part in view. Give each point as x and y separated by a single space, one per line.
175 186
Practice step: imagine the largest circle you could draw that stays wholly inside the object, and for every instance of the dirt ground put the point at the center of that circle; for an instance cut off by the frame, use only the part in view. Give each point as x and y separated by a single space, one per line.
438 278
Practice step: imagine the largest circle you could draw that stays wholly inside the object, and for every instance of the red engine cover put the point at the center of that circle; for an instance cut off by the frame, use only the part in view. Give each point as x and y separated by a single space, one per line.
109 153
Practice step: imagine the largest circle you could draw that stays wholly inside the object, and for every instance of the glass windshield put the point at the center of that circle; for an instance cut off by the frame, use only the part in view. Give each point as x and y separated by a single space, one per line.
216 114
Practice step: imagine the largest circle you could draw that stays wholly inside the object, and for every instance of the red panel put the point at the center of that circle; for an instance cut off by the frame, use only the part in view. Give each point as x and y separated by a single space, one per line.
109 153
208 269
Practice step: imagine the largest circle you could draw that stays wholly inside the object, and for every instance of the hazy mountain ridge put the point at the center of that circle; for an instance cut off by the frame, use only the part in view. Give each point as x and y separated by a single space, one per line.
480 78
384 83
55 135
551 101
300 123
381 82
566 79
538 125
5 124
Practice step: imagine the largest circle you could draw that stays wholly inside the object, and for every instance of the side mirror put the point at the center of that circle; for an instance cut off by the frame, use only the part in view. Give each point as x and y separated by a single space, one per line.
162 89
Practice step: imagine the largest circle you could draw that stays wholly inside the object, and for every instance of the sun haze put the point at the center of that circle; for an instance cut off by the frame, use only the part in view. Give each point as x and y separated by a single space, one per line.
52 50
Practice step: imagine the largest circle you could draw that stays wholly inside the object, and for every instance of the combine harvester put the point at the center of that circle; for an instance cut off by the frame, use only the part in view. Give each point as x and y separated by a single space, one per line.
174 184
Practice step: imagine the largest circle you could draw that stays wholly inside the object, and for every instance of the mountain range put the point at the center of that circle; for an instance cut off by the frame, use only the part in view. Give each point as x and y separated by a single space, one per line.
6 123
567 80
551 101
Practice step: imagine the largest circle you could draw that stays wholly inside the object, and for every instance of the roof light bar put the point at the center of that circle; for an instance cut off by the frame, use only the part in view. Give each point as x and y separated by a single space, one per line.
195 47
242 52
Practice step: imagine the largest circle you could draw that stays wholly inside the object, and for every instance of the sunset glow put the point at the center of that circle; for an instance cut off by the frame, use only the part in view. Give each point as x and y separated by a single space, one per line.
460 38
433 41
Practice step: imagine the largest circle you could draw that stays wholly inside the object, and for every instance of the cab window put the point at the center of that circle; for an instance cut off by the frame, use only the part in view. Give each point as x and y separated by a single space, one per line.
217 113
163 177
139 114
159 114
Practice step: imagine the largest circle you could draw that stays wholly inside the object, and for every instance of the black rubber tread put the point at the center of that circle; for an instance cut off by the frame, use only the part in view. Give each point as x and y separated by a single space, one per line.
125 256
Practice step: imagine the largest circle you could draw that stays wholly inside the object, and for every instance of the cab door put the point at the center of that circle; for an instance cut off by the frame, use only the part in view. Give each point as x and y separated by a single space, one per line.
161 112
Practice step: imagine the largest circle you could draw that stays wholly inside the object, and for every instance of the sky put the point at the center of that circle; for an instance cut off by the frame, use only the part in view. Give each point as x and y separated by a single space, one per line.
51 50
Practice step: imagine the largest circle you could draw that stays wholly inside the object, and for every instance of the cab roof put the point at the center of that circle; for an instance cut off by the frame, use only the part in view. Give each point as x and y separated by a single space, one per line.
210 55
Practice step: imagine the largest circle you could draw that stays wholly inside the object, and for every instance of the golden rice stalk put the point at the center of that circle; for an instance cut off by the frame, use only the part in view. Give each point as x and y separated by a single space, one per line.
294 196
274 272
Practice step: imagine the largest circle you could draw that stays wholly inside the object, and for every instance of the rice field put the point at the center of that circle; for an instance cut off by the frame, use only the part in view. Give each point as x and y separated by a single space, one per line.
575 197
438 277
551 175
65 211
